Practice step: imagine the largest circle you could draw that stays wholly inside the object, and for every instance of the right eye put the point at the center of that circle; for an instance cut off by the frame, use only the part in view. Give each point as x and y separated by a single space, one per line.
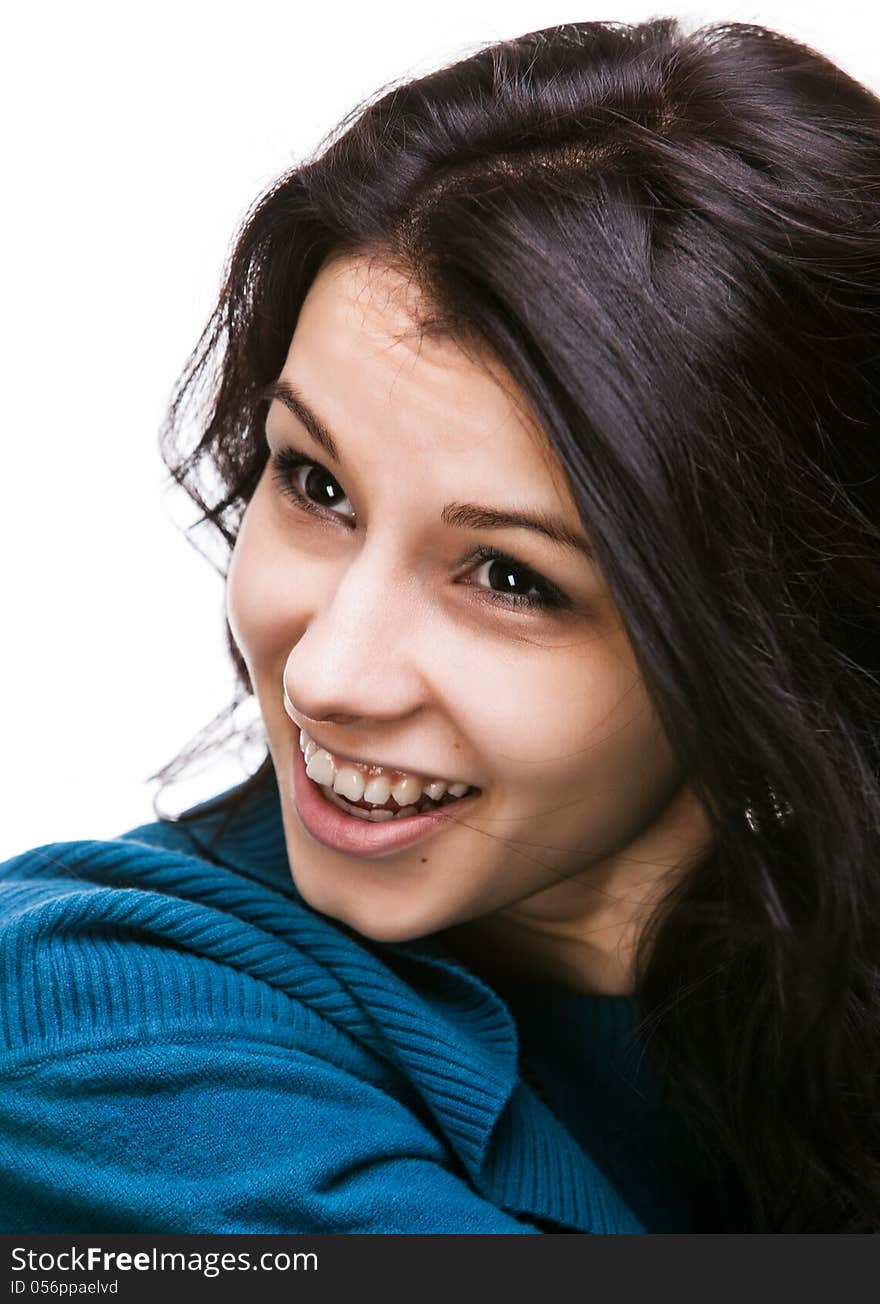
307 490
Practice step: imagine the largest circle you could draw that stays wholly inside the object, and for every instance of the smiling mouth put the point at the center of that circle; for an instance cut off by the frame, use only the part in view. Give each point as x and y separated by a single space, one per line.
339 824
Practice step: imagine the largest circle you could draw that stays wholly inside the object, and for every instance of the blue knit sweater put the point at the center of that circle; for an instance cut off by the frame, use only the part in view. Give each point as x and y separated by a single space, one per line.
187 1046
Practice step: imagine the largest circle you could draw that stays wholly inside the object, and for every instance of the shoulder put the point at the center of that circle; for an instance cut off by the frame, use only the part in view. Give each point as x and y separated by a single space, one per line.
124 939
200 1051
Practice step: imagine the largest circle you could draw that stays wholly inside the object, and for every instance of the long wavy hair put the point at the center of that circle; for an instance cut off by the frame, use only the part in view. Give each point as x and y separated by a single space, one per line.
671 240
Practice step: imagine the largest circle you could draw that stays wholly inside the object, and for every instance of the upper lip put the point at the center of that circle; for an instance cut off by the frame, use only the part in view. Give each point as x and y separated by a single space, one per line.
424 775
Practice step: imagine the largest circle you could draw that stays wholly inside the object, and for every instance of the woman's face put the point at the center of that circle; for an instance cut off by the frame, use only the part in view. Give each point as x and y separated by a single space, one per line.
398 644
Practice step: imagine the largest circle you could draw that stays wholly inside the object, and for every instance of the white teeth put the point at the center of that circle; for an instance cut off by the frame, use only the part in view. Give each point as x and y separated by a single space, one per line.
374 816
406 791
378 790
320 767
349 783
405 812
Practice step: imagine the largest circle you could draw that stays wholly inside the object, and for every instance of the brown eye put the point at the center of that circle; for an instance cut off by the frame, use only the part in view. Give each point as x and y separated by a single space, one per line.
509 575
309 484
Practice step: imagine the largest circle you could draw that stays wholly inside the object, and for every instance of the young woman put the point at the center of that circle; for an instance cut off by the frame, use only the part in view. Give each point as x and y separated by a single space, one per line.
538 413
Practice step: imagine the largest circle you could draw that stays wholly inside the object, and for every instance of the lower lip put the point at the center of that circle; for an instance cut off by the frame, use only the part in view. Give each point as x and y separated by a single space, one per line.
335 828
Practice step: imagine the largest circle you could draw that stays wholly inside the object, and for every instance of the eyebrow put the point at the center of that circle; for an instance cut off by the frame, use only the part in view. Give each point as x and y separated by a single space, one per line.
461 515
293 400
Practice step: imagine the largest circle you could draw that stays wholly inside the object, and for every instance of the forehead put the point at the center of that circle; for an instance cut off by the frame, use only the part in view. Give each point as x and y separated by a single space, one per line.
368 338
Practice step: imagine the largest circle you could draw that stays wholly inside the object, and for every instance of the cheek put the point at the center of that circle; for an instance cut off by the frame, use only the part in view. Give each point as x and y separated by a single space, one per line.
261 603
576 723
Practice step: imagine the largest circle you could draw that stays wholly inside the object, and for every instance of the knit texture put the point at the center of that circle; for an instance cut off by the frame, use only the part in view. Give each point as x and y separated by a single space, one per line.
187 1046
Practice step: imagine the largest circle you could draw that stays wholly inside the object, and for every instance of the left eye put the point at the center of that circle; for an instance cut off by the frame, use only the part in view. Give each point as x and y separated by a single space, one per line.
308 483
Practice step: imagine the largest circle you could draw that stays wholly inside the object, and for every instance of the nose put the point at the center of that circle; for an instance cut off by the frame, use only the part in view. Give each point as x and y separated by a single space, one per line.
358 654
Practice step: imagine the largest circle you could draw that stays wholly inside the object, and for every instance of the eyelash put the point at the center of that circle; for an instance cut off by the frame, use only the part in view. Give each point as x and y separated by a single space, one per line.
287 461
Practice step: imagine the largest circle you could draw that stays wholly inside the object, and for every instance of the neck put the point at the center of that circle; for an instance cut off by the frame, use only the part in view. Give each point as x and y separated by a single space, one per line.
587 940
501 950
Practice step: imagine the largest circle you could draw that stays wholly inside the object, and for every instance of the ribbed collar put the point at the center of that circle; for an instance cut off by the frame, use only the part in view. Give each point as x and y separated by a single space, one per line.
446 1028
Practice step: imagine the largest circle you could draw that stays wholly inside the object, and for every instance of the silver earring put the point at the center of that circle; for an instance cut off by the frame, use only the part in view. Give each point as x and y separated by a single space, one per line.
782 811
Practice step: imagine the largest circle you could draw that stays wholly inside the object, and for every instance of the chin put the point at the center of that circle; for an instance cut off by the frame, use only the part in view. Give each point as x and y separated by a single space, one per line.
377 919
388 928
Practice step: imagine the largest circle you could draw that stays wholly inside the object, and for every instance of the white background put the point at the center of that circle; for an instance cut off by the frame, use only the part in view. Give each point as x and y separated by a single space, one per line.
134 140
